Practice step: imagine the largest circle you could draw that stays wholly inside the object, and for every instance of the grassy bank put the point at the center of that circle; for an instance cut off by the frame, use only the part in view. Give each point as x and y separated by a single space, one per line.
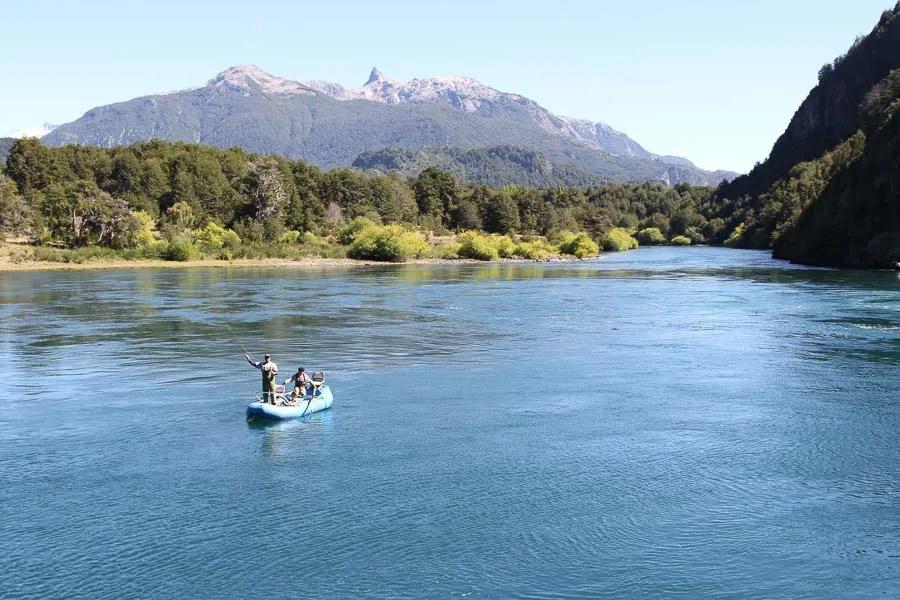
13 259
359 241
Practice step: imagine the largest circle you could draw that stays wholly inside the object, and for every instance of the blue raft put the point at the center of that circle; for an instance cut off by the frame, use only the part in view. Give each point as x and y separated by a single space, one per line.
320 399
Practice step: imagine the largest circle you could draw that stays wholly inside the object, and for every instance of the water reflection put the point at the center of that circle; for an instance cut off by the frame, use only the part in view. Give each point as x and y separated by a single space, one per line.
291 437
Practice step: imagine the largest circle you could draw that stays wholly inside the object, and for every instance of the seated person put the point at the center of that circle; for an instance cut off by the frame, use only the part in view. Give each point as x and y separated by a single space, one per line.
301 382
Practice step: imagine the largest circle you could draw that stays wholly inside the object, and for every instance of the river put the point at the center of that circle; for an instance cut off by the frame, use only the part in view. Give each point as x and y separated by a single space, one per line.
664 423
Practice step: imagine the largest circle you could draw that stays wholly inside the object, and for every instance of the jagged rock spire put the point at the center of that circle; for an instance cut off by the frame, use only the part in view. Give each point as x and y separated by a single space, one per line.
375 75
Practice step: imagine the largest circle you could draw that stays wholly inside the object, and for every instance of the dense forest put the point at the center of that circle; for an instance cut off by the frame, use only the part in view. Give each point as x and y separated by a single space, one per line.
494 166
829 193
121 197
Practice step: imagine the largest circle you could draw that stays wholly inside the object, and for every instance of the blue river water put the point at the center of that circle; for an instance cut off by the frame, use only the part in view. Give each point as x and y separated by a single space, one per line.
664 423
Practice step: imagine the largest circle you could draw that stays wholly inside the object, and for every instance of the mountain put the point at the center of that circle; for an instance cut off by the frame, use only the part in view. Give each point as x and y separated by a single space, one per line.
470 95
330 126
493 166
829 193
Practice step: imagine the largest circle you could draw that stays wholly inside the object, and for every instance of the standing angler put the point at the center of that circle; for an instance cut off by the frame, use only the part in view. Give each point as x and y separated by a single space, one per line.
269 370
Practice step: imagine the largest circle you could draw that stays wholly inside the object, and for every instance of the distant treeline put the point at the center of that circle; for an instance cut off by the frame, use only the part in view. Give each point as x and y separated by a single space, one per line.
83 196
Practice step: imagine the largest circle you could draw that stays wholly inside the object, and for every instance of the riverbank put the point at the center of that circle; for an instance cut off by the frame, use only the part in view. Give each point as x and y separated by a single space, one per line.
16 256
8 264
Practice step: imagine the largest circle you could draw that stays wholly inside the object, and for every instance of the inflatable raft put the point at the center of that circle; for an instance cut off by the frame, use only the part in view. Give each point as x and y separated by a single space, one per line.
318 400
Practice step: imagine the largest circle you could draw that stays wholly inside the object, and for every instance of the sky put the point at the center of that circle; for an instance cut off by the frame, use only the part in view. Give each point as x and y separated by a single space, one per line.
715 81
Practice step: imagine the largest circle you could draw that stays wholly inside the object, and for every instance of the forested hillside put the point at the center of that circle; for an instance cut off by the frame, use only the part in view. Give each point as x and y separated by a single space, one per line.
495 166
829 194
83 195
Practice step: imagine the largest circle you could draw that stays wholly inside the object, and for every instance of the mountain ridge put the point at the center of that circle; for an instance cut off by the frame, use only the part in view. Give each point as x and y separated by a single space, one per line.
330 126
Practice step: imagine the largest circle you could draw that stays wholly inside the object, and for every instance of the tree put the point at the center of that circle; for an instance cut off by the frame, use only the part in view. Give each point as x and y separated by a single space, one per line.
268 189
180 216
502 215
32 165
466 216
14 212
437 194
658 221
80 214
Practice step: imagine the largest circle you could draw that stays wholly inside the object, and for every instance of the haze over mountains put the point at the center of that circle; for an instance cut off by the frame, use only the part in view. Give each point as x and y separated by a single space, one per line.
437 120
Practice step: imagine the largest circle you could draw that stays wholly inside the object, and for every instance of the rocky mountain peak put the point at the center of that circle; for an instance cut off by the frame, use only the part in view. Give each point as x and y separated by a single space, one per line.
252 78
375 75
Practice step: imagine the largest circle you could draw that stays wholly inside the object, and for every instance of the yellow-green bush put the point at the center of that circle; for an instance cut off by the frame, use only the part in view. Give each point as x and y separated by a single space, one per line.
650 236
181 248
389 243
348 233
215 237
618 240
534 250
681 240
142 234
579 245
310 239
506 248
446 251
477 246
736 238
481 246
290 237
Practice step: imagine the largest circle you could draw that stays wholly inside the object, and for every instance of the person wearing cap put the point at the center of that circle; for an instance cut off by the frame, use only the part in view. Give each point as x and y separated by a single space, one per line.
301 382
269 370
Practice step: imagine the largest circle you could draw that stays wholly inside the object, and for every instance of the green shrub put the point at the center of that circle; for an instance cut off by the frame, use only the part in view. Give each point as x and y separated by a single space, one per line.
389 243
142 232
651 236
313 245
310 239
579 245
90 253
534 250
681 240
215 237
348 233
618 240
446 251
695 234
478 246
181 248
42 254
290 237
506 248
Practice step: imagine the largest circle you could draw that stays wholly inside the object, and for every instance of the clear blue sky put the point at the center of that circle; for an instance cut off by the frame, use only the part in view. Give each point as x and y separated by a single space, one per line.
715 81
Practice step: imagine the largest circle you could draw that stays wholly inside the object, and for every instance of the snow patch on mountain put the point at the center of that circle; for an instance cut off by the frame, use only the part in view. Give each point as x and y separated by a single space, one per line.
251 78
32 132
